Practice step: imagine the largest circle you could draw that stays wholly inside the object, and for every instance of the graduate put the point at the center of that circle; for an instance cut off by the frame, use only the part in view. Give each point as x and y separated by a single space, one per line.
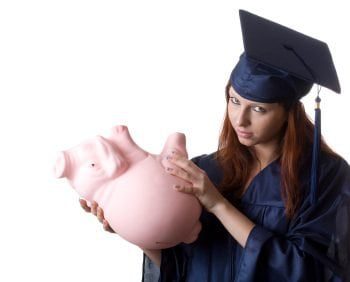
275 197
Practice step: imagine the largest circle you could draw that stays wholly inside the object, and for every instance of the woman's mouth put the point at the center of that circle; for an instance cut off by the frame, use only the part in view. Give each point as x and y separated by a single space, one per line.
244 134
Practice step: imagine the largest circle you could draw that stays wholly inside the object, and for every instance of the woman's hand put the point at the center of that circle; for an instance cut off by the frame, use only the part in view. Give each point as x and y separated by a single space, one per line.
199 182
98 212
235 222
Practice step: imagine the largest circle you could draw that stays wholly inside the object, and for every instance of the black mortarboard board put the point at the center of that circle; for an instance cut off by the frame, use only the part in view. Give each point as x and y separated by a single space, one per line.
288 50
281 65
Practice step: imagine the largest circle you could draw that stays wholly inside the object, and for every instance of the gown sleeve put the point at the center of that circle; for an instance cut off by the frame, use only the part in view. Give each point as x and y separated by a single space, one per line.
317 244
150 271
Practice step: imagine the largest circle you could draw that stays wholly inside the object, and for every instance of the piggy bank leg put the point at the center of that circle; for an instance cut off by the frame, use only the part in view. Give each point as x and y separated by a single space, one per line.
177 142
194 233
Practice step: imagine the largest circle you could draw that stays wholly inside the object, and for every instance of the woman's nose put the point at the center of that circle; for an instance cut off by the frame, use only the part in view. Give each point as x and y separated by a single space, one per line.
242 118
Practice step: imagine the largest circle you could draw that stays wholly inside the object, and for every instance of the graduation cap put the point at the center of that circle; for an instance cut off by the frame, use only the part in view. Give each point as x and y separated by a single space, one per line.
281 65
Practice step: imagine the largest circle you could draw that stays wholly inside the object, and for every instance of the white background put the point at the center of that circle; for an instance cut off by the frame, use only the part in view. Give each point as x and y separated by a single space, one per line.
72 69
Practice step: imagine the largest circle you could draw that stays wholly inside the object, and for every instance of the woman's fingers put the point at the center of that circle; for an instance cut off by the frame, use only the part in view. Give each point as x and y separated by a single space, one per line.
84 205
183 174
184 169
186 189
182 162
94 208
100 214
106 226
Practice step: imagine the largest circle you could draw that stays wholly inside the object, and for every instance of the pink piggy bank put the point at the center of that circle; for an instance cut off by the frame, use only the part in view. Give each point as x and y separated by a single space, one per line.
133 188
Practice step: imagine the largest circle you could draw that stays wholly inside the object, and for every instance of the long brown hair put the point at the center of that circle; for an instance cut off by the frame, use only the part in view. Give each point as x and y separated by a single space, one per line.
237 161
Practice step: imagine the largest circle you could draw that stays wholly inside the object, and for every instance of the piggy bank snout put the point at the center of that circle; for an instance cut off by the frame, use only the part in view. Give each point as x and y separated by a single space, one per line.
60 165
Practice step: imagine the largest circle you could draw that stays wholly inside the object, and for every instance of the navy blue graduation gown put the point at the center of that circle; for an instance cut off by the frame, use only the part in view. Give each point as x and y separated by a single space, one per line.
314 246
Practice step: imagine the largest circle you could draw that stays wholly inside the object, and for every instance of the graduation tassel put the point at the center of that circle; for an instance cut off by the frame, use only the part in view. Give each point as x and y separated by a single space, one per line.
316 150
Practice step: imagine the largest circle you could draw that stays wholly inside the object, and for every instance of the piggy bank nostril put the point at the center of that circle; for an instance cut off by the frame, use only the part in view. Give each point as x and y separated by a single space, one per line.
60 166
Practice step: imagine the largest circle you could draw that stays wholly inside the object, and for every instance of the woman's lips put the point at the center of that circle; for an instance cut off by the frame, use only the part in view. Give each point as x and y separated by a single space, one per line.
244 134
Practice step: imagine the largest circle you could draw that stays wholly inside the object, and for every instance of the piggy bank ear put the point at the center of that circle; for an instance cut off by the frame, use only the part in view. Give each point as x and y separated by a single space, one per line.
113 162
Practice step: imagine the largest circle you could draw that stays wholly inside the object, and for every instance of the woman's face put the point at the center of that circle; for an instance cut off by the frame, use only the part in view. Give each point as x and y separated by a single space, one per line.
254 122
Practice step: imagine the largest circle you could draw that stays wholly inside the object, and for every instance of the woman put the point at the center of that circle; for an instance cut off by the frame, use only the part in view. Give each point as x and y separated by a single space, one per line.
276 201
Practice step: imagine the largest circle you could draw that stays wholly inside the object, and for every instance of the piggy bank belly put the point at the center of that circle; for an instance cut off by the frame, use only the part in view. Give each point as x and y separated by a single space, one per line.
143 208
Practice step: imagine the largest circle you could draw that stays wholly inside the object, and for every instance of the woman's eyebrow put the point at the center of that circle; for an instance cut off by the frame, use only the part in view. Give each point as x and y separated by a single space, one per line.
251 104
254 104
258 105
232 94
264 106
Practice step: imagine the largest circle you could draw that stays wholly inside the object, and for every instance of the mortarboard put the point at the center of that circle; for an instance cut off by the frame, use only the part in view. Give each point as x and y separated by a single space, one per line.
281 65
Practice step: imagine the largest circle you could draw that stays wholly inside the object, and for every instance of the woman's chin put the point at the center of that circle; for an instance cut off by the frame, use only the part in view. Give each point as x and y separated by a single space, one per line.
246 141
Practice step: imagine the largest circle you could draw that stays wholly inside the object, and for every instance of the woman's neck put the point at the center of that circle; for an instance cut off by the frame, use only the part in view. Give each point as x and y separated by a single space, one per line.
266 153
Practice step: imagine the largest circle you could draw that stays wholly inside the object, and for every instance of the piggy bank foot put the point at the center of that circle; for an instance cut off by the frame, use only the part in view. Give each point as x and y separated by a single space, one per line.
194 233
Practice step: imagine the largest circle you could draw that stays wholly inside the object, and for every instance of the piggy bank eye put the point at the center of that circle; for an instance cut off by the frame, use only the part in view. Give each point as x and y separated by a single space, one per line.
94 168
92 165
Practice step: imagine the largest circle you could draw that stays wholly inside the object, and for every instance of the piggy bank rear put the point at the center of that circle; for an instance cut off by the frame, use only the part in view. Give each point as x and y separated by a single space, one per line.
133 189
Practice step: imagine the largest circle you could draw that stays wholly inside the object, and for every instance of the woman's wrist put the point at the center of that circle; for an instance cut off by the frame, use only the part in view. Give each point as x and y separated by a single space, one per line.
235 222
219 206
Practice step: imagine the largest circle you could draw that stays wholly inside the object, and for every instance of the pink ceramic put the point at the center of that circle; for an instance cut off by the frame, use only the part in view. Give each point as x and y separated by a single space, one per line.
133 189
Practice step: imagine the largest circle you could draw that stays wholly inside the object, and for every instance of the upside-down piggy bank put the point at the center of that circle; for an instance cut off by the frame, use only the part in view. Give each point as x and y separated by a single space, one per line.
133 188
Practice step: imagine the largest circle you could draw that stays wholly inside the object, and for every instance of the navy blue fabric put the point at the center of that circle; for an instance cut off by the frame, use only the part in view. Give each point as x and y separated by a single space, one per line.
150 271
285 49
314 246
259 82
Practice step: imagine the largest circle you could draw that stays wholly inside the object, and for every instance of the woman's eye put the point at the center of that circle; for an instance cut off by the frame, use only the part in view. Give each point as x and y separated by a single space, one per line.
259 109
234 100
